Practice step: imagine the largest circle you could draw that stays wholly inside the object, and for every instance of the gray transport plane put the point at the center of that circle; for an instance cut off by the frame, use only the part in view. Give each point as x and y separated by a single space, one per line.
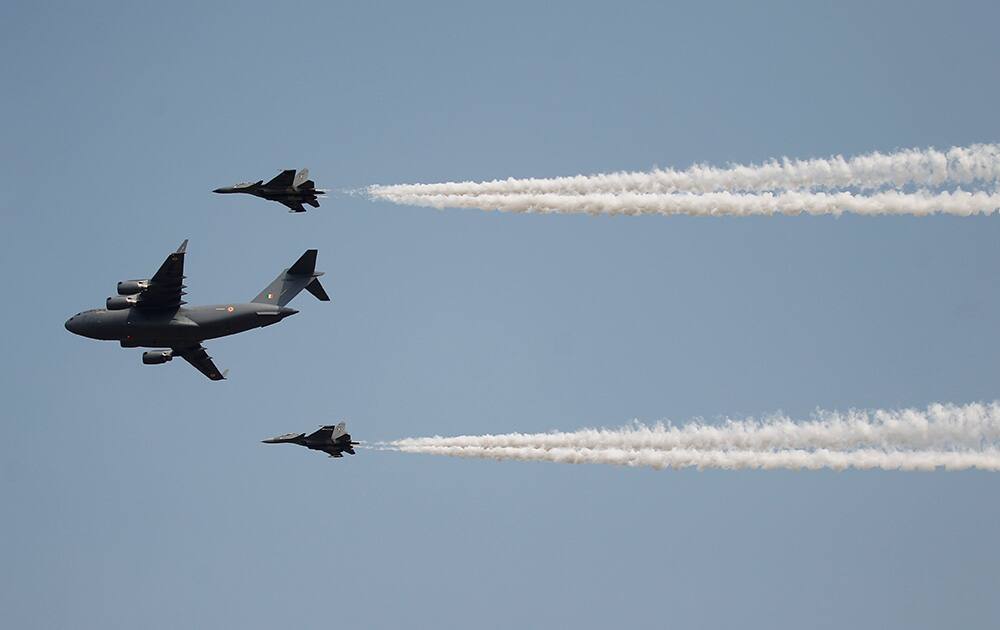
287 188
150 313
332 440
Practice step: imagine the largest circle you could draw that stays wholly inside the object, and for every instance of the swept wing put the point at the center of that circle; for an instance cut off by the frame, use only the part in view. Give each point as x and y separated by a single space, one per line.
198 357
284 179
167 285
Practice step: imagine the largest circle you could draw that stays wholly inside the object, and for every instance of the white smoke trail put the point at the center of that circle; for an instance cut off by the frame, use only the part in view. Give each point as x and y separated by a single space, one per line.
865 459
937 427
960 203
948 436
926 168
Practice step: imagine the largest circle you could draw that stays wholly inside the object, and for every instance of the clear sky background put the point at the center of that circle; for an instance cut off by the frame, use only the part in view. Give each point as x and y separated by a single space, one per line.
138 496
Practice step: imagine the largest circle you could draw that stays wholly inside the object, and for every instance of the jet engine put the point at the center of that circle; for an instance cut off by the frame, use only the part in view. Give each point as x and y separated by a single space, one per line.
156 357
131 287
120 302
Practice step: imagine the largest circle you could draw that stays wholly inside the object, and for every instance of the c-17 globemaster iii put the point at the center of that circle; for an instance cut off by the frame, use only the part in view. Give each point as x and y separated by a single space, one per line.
288 188
332 440
150 313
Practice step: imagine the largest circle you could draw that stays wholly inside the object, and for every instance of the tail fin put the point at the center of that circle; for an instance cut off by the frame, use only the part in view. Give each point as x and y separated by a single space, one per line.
300 177
342 438
301 275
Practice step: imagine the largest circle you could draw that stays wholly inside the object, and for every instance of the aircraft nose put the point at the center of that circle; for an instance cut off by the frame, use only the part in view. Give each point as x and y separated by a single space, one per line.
219 190
72 326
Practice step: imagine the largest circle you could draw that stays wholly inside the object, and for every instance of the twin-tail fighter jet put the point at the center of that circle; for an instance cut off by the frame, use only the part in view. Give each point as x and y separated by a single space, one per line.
332 440
150 313
288 188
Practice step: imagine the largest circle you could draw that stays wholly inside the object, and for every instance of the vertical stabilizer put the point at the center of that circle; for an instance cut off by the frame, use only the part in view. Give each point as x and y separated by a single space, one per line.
301 275
300 177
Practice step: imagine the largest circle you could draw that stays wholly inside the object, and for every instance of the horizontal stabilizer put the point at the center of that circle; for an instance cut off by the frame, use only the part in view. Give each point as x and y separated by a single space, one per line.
317 289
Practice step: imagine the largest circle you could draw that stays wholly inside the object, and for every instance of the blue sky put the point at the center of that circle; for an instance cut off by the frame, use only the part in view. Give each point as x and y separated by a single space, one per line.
141 496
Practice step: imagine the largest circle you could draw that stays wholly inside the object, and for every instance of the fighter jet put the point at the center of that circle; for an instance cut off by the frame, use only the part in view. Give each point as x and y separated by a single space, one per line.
332 440
287 188
150 313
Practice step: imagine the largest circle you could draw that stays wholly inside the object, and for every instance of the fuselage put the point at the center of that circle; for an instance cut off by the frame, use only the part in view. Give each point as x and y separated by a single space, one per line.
156 328
272 194
335 448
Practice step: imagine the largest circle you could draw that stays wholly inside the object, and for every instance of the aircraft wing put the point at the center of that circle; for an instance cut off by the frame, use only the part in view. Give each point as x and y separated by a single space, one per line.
284 179
294 206
321 432
167 285
198 357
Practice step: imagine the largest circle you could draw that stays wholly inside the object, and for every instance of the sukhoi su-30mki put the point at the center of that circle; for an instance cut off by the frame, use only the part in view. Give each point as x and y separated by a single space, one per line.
288 188
150 313
332 440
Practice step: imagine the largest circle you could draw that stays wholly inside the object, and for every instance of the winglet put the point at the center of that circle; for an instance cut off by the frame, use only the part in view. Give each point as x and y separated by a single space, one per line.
225 373
182 248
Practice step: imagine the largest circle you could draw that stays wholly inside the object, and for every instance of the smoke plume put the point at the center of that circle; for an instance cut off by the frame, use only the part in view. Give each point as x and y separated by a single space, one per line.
926 168
950 437
909 182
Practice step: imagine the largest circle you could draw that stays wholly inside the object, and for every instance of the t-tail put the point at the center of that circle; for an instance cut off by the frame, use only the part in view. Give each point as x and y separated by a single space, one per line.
301 275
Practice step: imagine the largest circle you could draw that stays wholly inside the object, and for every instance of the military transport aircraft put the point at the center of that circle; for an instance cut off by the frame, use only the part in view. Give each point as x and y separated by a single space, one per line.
150 313
287 188
334 441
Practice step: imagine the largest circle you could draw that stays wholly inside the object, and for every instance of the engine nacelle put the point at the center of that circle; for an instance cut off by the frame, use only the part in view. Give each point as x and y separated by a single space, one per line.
120 302
131 287
156 357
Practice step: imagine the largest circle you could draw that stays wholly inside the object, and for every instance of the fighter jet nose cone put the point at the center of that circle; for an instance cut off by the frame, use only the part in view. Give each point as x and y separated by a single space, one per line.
219 190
